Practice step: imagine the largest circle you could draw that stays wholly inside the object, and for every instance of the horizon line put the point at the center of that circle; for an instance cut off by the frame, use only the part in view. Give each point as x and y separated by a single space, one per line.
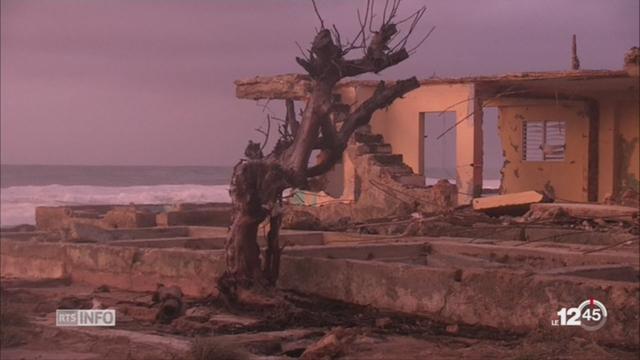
123 165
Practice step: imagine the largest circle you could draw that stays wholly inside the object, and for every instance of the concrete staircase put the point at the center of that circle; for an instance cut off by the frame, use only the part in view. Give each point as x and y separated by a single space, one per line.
378 153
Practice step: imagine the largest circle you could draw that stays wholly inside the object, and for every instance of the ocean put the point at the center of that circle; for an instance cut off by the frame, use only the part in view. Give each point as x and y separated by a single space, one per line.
23 187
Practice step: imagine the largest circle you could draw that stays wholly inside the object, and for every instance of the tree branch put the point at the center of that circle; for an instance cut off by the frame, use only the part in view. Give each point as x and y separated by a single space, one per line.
290 119
364 65
382 97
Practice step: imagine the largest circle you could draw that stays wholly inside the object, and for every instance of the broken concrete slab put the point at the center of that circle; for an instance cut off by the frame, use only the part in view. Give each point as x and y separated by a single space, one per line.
195 271
233 320
460 291
471 296
586 211
287 86
214 216
87 232
53 218
129 217
509 204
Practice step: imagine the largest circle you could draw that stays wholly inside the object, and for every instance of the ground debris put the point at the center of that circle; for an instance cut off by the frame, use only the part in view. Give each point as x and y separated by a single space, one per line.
508 204
305 324
74 302
170 300
331 345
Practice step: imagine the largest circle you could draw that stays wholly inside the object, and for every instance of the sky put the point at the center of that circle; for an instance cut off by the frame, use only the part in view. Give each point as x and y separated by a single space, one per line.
150 82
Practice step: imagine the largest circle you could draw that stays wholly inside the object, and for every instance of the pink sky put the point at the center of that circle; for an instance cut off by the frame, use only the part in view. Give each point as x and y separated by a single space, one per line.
151 82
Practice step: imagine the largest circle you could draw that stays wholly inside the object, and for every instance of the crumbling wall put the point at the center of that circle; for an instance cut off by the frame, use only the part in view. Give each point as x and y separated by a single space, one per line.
402 127
619 147
378 194
563 180
64 219
628 154
607 153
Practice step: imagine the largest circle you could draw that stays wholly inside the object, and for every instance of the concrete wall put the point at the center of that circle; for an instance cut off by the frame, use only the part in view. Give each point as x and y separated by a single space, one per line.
402 126
123 267
619 146
509 300
618 143
627 147
565 180
606 144
467 295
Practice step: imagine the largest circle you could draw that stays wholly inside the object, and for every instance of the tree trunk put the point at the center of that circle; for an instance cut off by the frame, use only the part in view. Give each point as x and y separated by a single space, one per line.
258 182
256 193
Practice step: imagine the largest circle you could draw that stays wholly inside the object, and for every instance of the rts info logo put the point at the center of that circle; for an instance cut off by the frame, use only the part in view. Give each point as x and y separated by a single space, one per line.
93 317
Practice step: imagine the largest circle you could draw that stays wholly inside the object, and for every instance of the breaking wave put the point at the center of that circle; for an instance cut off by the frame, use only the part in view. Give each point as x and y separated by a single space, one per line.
18 203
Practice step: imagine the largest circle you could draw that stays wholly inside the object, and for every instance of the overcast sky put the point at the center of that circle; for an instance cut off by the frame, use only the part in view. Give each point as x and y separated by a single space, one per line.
151 82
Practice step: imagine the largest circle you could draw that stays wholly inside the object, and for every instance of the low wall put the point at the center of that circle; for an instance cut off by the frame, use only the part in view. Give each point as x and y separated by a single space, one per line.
509 300
124 267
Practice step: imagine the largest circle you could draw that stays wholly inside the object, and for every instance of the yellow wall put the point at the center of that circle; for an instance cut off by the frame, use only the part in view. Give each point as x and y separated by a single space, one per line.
402 126
627 151
618 146
618 138
567 178
606 147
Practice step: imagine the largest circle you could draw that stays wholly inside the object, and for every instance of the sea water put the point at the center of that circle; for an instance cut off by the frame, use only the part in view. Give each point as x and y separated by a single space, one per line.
24 187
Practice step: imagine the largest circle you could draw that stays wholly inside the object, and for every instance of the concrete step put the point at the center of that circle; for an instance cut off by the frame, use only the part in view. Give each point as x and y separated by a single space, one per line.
368 138
414 180
363 149
397 171
388 159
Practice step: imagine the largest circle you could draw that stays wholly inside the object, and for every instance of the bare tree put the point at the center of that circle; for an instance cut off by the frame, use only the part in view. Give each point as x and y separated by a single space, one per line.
259 180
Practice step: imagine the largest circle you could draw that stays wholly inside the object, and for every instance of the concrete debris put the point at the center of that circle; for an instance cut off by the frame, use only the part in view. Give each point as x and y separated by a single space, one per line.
19 228
81 231
509 204
382 185
102 289
295 218
583 211
128 217
97 304
198 314
383 322
453 329
74 302
140 313
61 218
217 215
288 86
331 345
232 320
632 61
170 300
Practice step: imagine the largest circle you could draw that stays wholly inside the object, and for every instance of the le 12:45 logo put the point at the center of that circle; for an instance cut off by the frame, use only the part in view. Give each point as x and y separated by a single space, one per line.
591 315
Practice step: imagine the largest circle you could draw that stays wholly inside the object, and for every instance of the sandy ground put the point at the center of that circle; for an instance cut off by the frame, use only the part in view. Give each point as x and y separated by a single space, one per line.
256 332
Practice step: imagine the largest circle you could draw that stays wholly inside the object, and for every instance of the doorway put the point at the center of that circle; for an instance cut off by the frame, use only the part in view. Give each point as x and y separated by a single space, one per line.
493 156
439 149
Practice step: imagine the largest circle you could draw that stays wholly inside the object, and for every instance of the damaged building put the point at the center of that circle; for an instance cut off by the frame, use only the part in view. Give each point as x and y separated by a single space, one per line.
570 135
464 283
